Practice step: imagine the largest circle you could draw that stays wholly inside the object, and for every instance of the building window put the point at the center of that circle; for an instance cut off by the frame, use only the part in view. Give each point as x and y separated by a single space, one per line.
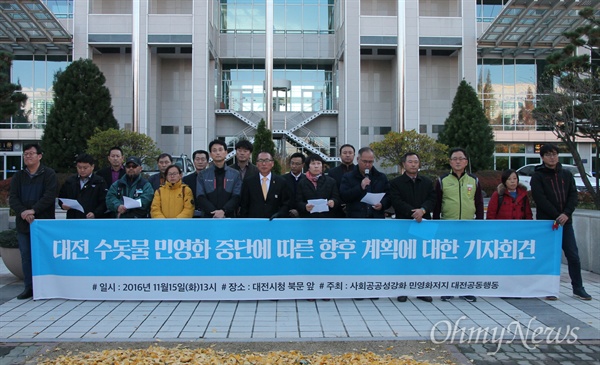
187 129
364 131
423 128
299 16
62 9
169 129
311 87
35 74
488 10
437 128
508 90
381 131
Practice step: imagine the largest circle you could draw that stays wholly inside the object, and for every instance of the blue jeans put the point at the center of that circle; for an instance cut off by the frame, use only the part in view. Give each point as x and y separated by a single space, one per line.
25 248
569 246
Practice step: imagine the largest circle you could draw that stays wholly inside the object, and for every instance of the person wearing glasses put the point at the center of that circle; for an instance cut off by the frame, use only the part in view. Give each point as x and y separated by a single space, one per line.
265 195
555 196
131 185
363 179
173 199
32 194
87 188
458 196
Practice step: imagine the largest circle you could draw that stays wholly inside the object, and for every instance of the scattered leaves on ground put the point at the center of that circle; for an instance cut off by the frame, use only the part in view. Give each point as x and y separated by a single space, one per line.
206 356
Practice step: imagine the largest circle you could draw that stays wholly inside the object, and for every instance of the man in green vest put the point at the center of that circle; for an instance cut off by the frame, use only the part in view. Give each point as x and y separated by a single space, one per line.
459 196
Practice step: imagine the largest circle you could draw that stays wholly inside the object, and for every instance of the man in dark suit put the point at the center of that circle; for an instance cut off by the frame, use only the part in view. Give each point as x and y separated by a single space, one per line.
347 153
291 178
412 197
116 170
264 195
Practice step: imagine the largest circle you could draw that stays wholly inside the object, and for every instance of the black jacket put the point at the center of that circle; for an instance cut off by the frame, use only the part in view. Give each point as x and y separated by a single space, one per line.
37 192
337 173
106 174
292 184
326 189
554 192
250 170
351 193
406 195
92 196
254 205
191 180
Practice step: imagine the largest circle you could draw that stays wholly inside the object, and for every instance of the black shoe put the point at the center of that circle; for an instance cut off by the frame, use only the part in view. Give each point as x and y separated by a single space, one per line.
26 294
446 298
551 298
402 298
426 299
469 298
581 294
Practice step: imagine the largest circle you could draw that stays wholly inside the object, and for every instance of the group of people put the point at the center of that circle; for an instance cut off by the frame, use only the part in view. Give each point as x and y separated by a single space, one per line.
245 190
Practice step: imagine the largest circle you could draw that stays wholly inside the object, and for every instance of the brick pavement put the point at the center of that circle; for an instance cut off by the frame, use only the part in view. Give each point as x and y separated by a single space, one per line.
31 327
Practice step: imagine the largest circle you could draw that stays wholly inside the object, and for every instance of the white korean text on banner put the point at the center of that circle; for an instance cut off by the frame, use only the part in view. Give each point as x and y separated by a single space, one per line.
249 259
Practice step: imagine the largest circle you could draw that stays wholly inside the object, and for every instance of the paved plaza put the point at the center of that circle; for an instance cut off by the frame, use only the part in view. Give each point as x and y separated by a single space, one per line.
471 329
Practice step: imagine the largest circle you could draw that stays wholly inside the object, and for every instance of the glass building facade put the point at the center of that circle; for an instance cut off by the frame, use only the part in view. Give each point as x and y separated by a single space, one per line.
342 72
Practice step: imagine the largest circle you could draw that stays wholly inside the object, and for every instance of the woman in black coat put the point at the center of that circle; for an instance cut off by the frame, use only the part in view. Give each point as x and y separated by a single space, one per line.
316 186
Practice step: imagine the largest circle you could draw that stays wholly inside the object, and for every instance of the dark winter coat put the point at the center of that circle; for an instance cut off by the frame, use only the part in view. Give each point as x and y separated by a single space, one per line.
92 196
37 192
326 189
212 196
406 195
554 192
351 193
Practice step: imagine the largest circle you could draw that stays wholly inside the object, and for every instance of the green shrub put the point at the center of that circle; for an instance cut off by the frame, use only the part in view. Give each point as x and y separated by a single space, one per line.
8 239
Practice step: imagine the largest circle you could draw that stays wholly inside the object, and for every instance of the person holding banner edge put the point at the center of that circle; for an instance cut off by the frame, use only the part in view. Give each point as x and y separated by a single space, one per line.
412 197
458 196
555 195
32 194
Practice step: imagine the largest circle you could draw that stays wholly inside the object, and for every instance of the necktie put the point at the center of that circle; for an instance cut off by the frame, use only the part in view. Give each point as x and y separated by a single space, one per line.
264 187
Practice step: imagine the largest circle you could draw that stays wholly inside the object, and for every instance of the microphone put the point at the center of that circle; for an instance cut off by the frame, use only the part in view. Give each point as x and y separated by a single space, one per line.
368 177
367 173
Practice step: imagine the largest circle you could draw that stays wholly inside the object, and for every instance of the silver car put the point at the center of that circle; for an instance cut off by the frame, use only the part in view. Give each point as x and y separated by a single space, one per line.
526 172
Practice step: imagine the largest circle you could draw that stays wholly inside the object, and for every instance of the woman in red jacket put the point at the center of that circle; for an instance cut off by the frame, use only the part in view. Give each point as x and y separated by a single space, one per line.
510 201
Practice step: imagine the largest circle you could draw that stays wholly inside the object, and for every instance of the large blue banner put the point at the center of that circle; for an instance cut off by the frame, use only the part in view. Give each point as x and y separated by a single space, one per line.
247 259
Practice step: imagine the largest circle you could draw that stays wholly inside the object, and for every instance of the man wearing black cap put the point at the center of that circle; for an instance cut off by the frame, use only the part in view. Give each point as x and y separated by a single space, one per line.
133 186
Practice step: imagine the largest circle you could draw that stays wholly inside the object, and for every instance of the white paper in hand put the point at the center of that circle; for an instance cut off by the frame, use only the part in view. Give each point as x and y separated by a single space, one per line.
131 203
72 203
372 198
320 205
